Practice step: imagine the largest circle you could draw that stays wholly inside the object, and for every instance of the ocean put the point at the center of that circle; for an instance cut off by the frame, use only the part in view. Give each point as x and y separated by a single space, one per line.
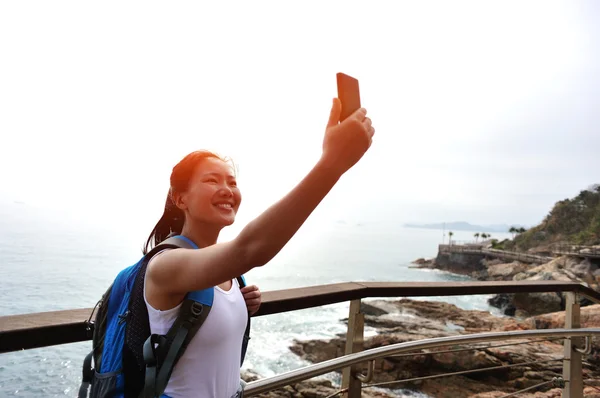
48 263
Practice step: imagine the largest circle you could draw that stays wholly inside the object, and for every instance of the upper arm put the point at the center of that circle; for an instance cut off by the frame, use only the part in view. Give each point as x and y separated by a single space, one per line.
179 271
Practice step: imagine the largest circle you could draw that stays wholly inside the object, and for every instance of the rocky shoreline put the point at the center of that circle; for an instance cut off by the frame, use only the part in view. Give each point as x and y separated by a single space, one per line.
481 268
407 320
397 321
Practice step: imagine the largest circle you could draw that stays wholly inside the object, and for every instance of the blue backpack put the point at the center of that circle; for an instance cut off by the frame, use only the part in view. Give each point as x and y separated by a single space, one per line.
129 361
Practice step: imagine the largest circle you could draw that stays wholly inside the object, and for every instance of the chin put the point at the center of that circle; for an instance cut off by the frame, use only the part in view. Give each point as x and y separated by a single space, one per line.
228 222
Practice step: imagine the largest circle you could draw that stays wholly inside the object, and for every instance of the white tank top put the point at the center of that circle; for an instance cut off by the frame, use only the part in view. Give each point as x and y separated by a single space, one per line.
210 366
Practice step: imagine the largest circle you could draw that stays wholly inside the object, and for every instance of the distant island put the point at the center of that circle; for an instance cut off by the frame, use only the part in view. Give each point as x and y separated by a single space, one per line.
465 226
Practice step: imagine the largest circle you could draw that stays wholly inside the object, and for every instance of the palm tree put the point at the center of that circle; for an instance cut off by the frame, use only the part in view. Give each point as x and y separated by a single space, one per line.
476 236
513 231
521 230
450 237
484 235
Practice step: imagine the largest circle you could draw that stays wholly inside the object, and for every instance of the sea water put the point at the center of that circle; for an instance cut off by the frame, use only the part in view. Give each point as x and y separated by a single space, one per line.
49 264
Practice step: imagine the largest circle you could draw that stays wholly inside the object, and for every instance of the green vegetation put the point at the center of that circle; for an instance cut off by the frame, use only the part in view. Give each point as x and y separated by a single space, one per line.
515 231
500 245
573 221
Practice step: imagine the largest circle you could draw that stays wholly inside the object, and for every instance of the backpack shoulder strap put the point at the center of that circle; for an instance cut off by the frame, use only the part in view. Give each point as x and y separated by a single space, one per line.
180 241
242 282
161 353
138 325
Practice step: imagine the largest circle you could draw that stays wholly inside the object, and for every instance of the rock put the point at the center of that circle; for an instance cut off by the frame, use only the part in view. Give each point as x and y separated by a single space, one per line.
505 272
520 276
461 263
582 269
537 303
494 261
504 302
423 263
368 309
589 318
569 269
408 320
564 268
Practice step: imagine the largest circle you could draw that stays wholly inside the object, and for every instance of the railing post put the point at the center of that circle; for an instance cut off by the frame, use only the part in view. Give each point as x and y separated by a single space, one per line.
354 343
572 367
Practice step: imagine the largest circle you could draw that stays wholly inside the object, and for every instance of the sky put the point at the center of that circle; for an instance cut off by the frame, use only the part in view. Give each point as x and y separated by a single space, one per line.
485 112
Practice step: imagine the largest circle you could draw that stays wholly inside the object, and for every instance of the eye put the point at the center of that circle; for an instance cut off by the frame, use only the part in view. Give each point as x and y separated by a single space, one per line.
212 180
233 183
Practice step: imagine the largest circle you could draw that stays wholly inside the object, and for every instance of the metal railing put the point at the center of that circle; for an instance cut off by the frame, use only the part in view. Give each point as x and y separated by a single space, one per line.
504 254
576 250
559 250
61 327
294 376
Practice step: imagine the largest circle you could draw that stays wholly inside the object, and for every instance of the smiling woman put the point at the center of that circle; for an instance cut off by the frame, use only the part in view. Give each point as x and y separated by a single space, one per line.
204 198
202 188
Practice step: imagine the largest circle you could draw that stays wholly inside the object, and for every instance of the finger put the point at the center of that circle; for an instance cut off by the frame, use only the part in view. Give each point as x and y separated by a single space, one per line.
336 111
251 295
368 123
360 114
250 304
249 288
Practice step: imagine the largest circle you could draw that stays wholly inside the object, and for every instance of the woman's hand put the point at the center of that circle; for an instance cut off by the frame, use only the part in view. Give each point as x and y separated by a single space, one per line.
252 297
346 142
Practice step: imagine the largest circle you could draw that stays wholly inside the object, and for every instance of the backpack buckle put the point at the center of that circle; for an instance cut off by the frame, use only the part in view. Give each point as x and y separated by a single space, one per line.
196 309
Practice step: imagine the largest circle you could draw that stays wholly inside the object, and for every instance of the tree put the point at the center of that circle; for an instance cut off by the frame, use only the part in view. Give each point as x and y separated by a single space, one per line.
513 231
450 236
484 236
476 236
521 230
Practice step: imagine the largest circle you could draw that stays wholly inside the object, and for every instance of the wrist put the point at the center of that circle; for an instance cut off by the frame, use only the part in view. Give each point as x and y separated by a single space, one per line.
327 169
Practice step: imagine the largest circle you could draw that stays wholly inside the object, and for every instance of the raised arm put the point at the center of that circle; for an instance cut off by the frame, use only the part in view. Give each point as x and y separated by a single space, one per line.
179 271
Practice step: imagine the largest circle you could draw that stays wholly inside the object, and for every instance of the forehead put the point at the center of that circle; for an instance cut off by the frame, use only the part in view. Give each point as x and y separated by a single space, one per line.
214 166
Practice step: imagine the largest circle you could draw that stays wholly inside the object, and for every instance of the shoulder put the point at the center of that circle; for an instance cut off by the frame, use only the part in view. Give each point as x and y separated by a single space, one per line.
157 278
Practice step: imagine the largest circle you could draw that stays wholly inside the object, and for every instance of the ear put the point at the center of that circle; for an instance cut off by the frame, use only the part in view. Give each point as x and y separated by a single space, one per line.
180 200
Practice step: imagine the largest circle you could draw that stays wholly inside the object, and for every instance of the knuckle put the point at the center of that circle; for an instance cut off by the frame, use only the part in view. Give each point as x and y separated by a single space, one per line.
356 123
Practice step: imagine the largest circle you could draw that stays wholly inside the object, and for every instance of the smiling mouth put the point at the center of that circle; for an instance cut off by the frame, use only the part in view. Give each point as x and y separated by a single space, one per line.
226 206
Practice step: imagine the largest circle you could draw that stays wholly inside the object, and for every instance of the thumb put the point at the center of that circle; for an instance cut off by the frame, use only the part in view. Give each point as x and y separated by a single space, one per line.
336 112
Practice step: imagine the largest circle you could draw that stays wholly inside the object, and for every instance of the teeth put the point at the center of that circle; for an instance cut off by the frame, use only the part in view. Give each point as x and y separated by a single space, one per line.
224 205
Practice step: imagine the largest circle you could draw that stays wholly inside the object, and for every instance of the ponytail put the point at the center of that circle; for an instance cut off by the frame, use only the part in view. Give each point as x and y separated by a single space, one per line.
171 223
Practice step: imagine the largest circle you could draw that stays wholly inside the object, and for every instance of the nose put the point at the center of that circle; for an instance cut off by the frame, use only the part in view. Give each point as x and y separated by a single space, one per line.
225 191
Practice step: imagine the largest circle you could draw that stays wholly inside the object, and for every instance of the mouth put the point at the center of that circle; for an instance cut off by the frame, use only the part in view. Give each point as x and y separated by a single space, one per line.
224 206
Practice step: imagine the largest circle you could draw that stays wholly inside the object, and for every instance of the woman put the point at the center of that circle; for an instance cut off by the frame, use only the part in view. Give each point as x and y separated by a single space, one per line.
202 200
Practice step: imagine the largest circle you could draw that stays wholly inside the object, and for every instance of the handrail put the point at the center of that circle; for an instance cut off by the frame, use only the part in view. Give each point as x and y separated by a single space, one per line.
475 249
307 372
35 330
561 250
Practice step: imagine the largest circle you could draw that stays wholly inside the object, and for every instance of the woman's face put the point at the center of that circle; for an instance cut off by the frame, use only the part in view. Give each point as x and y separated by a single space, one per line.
212 196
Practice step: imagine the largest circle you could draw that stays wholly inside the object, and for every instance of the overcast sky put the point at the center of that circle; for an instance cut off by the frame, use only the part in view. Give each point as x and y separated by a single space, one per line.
484 112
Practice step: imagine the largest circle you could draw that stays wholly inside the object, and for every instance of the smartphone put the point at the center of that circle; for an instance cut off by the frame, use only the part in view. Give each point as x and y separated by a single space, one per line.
348 93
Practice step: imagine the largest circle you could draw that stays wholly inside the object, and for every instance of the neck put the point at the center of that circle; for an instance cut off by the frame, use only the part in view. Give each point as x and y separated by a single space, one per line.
203 235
